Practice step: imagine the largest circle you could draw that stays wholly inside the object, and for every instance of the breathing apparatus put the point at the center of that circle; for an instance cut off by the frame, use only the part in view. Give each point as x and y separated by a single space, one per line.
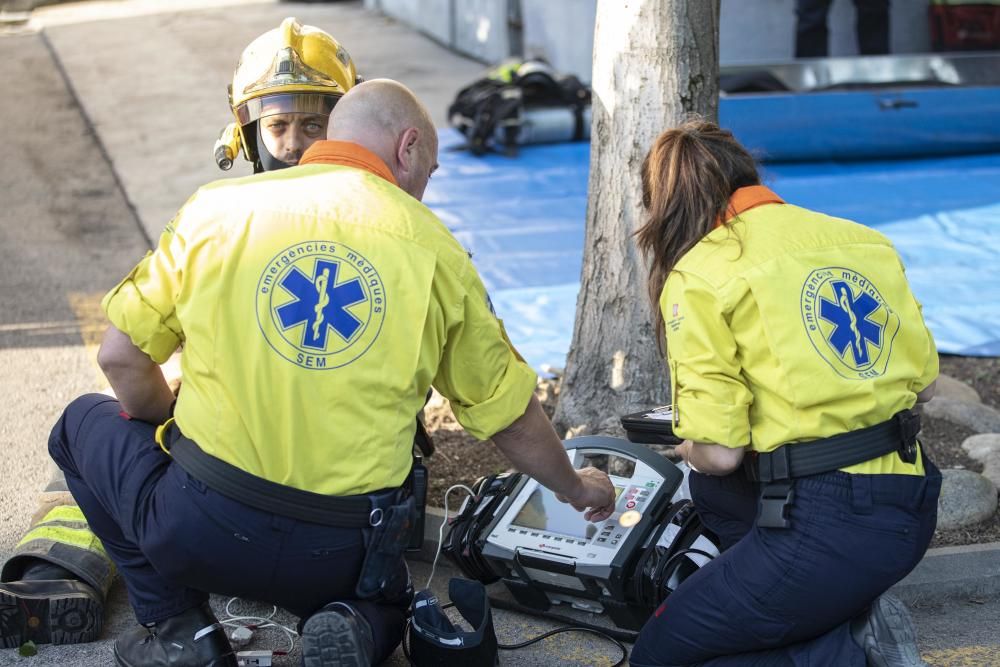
520 103
292 69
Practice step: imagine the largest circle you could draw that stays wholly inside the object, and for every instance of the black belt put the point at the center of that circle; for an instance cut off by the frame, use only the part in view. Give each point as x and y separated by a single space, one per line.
361 511
776 469
801 459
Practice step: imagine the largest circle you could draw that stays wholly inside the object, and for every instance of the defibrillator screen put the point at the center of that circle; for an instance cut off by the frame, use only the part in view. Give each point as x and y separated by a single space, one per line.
544 512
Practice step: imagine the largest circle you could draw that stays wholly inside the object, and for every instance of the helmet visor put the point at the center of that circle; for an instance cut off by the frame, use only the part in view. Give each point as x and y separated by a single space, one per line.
268 105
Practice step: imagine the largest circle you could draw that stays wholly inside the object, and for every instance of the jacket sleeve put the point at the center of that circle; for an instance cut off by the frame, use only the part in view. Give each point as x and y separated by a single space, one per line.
488 385
143 304
710 396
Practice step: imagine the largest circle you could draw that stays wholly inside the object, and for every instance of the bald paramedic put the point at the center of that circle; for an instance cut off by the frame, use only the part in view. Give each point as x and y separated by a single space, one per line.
316 306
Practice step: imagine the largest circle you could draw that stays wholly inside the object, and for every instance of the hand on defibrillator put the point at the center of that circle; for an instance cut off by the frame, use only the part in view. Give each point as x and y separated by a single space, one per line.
595 492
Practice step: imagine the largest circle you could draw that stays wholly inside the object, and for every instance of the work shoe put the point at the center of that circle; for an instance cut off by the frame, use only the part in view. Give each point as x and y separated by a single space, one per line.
193 638
337 636
60 611
887 635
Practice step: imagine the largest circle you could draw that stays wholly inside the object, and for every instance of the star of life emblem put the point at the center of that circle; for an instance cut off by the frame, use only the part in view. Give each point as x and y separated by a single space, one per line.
848 322
320 304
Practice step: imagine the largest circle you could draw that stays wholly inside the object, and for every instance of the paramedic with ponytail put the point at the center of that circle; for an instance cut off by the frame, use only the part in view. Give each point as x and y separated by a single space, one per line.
796 354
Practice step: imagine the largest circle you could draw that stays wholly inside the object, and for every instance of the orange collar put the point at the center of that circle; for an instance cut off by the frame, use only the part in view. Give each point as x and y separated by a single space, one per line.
347 154
750 197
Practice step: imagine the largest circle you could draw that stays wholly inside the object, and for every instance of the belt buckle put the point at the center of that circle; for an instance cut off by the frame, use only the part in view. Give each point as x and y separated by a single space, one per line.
909 426
775 500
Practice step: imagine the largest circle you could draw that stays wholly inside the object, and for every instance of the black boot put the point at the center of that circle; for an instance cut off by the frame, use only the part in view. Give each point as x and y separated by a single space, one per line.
337 636
56 611
193 638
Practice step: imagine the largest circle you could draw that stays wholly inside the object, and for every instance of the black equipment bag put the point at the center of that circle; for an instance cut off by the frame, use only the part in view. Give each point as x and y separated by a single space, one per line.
434 641
661 569
463 545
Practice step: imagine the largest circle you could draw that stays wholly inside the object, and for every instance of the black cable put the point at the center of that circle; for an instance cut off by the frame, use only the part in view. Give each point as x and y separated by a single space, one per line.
622 635
684 552
571 628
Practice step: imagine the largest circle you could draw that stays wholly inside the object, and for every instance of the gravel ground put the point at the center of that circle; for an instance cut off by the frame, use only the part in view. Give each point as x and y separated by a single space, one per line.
461 459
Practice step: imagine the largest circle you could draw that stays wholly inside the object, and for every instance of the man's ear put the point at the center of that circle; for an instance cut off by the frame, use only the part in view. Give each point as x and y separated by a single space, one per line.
406 148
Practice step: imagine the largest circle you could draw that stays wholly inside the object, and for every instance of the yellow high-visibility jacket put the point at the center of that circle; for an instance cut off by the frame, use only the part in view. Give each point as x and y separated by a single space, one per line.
316 306
787 325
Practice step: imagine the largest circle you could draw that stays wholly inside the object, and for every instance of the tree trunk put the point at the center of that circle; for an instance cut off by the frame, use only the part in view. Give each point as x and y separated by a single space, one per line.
655 65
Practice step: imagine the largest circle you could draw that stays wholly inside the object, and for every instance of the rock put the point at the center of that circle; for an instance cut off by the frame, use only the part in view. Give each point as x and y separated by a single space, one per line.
982 445
985 447
966 499
949 387
976 416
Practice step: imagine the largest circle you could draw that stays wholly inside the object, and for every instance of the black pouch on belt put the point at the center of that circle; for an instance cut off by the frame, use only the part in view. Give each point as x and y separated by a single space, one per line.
383 572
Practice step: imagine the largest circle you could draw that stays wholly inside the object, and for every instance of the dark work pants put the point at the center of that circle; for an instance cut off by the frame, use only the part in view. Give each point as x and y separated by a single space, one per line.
726 504
787 596
174 540
812 35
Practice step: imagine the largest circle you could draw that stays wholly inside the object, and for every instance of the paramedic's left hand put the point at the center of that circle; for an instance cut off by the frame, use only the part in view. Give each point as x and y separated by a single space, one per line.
595 492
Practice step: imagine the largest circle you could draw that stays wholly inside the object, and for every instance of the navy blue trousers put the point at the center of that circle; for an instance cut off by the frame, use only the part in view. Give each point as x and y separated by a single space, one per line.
787 596
174 540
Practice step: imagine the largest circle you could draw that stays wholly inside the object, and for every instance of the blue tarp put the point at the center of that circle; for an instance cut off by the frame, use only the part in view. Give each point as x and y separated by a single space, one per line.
523 219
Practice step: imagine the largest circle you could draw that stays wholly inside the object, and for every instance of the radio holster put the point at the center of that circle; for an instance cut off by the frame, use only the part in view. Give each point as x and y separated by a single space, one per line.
383 572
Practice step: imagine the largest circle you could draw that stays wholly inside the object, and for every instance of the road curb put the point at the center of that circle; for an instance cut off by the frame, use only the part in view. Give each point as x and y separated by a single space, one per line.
949 573
945 573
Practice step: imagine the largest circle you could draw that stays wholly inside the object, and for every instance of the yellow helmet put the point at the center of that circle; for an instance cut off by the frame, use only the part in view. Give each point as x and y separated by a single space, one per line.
294 68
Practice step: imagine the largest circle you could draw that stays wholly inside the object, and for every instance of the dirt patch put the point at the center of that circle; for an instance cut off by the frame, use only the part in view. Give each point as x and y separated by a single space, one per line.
461 459
458 457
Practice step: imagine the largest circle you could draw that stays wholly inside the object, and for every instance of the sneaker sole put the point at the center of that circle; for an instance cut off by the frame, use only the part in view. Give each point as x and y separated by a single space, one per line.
330 640
72 619
900 648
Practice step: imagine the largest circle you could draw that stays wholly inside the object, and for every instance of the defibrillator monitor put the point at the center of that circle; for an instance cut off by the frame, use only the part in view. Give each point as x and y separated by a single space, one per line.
544 512
546 552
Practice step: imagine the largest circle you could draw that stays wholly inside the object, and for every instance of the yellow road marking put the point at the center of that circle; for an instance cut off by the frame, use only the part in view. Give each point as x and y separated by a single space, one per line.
964 656
91 323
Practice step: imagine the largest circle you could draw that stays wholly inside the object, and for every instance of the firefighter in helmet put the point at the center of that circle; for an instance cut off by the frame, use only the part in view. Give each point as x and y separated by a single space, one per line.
284 87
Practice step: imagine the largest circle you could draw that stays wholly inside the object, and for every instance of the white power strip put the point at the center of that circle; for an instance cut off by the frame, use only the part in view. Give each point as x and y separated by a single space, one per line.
254 658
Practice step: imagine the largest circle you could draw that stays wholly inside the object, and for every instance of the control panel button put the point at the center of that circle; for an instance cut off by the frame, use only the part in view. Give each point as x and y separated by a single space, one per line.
602 539
629 519
630 504
613 542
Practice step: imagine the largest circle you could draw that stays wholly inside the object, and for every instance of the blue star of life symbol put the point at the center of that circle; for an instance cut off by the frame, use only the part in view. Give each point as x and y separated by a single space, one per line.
852 328
321 303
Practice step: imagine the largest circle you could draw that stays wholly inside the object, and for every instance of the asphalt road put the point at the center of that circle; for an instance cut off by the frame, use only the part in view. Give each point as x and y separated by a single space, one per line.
111 110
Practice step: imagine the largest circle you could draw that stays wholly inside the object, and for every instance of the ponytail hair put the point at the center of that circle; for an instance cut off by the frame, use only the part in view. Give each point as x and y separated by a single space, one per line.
688 176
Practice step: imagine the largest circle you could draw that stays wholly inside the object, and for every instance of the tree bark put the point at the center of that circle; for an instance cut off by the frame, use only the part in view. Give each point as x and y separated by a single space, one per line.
655 65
